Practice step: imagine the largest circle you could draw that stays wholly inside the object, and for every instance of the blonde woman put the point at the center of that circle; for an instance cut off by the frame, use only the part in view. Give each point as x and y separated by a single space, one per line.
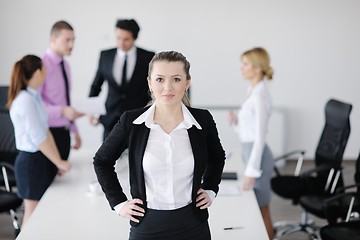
251 122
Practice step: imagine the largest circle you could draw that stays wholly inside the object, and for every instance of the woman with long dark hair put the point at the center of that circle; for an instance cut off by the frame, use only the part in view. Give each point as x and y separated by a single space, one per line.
38 160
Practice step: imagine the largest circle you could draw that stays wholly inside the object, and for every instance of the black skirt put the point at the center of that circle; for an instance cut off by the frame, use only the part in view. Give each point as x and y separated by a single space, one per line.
178 224
34 173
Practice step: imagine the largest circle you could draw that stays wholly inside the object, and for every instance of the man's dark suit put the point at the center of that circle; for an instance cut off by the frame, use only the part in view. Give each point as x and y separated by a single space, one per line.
120 99
209 158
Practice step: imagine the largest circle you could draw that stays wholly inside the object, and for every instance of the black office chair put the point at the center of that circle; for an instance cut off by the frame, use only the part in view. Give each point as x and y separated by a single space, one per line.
8 151
9 202
325 177
345 230
346 207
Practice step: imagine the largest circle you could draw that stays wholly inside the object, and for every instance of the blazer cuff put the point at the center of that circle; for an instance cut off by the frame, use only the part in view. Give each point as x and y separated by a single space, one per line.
211 194
118 207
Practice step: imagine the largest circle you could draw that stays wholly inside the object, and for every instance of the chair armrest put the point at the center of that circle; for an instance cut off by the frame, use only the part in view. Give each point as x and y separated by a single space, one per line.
289 154
4 166
337 197
8 166
334 204
320 169
300 153
342 189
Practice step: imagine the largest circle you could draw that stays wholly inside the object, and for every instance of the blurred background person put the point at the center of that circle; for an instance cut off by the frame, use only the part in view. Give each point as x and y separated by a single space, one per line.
56 90
38 160
251 122
125 69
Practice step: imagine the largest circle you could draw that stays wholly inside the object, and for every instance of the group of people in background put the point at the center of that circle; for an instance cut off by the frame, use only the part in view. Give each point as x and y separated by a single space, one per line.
175 155
40 104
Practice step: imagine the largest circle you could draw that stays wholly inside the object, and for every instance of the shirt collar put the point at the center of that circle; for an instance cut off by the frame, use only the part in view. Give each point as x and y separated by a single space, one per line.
260 85
56 58
148 118
131 52
32 91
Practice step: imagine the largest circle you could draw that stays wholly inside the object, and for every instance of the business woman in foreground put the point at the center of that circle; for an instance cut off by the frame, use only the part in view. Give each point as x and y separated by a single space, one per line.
175 159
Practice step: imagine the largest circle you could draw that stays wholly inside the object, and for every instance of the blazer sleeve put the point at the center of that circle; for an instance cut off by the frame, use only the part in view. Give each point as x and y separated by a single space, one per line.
216 157
98 80
105 159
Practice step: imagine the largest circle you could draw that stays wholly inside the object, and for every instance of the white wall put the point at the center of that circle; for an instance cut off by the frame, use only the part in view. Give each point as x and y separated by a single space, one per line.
314 46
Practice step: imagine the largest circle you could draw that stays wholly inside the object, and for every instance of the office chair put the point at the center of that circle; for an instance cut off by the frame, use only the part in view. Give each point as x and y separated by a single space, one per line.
325 177
8 151
9 202
345 230
344 206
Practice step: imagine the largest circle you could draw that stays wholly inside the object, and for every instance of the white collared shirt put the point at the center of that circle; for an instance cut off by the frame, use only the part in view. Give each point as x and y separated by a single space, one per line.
29 118
168 163
253 119
119 63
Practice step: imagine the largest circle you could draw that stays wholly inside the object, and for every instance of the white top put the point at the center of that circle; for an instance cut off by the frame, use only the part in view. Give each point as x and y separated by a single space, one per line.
119 63
168 163
253 119
29 117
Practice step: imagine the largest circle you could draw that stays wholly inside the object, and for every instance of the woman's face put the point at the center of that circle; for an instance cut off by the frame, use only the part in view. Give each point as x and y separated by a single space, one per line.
38 77
168 82
248 70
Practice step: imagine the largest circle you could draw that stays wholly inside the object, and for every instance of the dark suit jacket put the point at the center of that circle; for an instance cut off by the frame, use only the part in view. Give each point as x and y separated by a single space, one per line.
209 157
121 99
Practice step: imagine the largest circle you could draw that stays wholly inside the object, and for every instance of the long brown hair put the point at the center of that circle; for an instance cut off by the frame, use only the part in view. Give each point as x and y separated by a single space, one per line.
22 72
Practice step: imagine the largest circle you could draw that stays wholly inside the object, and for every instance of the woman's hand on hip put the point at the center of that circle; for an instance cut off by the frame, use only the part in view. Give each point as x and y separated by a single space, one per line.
203 200
131 209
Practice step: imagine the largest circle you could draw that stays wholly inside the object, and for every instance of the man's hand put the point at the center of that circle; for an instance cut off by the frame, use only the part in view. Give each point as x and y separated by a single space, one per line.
70 113
77 139
94 121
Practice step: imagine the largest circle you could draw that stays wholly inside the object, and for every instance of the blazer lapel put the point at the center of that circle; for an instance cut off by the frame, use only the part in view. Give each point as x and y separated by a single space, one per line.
137 65
139 137
196 139
110 65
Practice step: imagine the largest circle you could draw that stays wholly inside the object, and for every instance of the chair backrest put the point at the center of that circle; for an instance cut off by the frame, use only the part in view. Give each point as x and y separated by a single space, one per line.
3 96
8 149
335 134
357 174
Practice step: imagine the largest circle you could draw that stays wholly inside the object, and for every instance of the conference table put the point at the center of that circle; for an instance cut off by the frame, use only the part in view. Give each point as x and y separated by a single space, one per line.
73 207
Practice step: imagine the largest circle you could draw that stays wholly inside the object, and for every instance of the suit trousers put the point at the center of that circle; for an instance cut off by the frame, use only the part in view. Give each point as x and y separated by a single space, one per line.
62 140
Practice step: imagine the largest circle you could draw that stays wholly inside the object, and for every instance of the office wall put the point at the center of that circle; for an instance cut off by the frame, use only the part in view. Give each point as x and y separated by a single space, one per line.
314 48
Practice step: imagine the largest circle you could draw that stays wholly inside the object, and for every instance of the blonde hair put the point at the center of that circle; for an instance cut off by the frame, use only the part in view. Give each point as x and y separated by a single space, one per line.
260 58
171 56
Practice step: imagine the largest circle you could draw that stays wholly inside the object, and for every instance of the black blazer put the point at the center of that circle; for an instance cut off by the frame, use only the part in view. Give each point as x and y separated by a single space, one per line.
120 99
209 157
